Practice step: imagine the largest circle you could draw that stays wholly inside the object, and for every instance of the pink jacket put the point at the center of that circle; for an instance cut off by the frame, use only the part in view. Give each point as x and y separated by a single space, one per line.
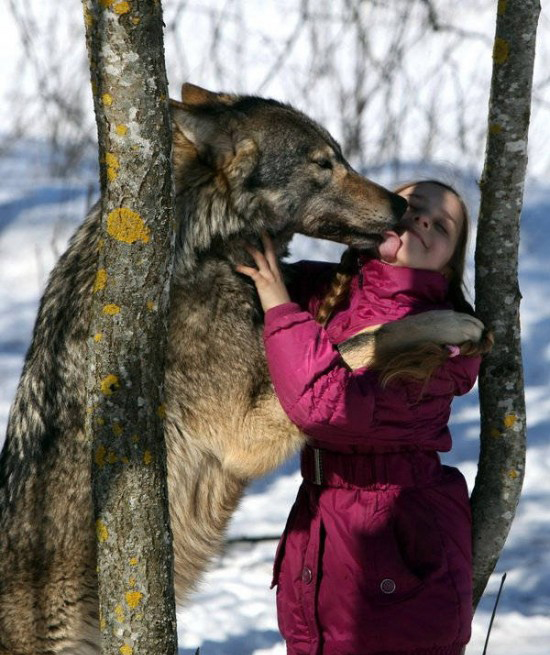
376 557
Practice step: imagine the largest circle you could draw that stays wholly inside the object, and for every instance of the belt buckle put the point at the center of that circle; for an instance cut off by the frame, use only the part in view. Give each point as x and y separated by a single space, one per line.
317 466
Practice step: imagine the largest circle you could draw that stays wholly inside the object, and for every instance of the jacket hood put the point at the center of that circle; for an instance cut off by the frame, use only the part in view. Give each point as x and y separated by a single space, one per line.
381 293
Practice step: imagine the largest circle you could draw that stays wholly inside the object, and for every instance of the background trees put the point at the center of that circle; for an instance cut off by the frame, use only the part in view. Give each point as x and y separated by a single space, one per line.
394 80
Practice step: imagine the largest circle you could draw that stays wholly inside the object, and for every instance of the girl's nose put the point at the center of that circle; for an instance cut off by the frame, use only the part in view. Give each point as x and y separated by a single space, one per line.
422 221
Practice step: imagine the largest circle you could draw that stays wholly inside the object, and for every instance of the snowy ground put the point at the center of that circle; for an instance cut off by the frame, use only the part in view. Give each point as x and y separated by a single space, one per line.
234 611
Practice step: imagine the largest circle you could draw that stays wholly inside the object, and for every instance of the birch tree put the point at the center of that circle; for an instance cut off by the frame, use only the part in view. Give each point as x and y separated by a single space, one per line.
129 328
503 430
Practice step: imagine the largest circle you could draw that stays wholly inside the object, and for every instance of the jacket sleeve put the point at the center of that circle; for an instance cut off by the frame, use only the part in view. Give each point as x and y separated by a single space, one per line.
318 392
455 377
327 400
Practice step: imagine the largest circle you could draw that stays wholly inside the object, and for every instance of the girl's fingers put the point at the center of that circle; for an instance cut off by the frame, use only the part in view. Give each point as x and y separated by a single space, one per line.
269 253
258 258
268 266
246 270
267 243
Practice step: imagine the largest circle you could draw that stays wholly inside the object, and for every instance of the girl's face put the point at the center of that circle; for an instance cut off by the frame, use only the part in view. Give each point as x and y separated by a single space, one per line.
433 223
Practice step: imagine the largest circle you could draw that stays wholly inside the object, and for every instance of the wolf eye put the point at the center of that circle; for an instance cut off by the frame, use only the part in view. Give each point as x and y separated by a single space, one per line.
324 163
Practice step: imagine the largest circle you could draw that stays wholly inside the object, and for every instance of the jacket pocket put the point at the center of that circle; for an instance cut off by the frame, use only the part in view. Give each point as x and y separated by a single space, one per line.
407 550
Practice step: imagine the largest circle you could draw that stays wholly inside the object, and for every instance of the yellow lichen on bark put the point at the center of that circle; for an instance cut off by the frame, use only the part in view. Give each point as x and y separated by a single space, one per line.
100 280
126 225
126 649
101 531
510 420
119 613
88 18
501 51
111 309
133 598
98 336
147 457
107 99
113 165
121 8
109 384
99 456
121 130
117 429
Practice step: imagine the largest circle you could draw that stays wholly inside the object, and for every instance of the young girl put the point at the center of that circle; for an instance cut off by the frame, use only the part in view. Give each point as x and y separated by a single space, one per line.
376 555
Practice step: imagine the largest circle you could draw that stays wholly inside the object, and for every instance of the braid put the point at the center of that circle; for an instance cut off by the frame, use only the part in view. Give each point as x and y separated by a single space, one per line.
420 362
340 285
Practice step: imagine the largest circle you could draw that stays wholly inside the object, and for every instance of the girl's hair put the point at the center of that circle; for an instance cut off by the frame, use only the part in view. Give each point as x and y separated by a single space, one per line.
419 362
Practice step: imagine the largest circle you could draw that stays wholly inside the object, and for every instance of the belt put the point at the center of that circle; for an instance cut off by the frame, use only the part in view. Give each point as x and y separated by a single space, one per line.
405 469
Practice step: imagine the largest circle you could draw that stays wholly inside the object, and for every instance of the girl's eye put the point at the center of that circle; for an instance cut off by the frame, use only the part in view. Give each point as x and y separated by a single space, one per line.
441 228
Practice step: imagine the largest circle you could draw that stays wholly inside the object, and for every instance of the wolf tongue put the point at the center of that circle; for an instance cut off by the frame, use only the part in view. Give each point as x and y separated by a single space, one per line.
389 247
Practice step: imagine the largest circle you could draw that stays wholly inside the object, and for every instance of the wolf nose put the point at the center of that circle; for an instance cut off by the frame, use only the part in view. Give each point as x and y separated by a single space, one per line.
398 205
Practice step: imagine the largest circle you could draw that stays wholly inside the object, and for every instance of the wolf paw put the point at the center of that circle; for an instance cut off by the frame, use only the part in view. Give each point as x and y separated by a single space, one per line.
446 327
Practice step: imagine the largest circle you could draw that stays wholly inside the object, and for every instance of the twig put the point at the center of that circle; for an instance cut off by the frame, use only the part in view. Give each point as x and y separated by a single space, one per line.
493 615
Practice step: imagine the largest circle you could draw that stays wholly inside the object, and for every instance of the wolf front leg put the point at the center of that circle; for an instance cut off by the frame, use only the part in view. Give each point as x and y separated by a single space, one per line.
209 466
264 438
438 326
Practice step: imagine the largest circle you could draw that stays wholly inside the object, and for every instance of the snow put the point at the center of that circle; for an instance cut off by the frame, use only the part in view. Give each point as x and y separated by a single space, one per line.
233 612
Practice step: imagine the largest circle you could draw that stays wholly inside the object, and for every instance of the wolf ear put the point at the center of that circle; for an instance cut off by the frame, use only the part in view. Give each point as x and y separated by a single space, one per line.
196 95
200 127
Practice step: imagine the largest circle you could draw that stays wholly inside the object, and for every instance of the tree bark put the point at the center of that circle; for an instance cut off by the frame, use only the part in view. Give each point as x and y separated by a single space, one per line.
129 327
501 390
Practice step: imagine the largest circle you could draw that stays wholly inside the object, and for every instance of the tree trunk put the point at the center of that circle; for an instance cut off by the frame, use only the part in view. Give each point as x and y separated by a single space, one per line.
129 327
503 439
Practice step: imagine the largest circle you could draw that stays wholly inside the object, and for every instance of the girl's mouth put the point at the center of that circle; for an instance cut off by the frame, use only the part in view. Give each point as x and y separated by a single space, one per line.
415 234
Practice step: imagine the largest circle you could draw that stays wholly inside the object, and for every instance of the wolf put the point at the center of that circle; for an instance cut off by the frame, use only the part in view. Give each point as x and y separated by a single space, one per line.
242 165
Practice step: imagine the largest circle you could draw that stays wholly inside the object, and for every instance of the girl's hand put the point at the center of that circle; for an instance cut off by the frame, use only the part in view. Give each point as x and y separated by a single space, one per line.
267 277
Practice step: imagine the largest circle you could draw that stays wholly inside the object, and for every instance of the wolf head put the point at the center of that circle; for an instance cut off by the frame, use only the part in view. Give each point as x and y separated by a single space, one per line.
254 164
